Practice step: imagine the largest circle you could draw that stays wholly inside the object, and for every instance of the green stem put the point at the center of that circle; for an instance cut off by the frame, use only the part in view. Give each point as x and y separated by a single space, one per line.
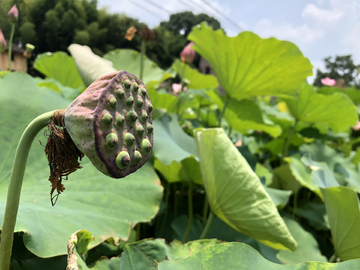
223 110
205 212
166 208
288 139
182 76
10 43
295 199
16 180
142 56
190 220
207 226
229 133
333 258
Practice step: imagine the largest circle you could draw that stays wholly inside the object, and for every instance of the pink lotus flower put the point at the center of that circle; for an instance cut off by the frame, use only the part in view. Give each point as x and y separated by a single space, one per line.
187 55
328 82
176 87
238 143
357 126
13 14
2 42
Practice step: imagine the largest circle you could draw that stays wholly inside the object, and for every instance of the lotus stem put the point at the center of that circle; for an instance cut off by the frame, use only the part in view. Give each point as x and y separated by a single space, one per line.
205 211
223 110
288 139
15 184
10 43
190 206
167 195
207 226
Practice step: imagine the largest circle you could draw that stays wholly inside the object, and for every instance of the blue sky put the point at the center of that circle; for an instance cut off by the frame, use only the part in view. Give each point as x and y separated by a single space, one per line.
320 28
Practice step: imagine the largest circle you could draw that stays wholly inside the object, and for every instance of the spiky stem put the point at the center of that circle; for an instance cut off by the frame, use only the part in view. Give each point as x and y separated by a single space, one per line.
15 184
10 43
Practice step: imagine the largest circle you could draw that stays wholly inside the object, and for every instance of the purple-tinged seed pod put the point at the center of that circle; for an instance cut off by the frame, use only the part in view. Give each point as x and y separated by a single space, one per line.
110 129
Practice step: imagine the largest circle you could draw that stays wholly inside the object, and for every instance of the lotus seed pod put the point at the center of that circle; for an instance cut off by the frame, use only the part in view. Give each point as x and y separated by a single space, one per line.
109 125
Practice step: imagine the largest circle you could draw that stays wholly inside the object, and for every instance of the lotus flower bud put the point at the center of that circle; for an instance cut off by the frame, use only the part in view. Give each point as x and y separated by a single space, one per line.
111 123
13 14
187 55
2 42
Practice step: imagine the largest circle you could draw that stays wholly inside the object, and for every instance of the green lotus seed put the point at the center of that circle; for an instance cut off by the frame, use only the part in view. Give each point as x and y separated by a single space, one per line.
120 94
149 107
149 128
135 87
129 101
111 141
143 92
139 102
107 119
122 160
144 116
120 120
127 84
137 157
129 139
132 116
145 146
112 103
139 131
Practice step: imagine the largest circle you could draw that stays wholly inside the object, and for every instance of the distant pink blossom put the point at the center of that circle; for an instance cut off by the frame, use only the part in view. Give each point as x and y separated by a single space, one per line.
13 14
176 87
328 82
238 143
187 55
357 126
2 42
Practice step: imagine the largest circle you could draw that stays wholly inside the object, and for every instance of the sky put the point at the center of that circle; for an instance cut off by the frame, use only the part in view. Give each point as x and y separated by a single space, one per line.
320 28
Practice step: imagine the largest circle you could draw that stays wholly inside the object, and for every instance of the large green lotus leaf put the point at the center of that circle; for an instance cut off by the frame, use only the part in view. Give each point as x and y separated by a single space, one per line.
247 65
342 207
170 141
235 192
185 170
283 179
91 201
129 60
307 250
194 78
163 101
244 115
243 257
336 110
61 67
316 215
90 66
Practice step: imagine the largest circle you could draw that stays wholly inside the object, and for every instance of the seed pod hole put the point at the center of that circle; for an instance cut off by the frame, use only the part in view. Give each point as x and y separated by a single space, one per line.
107 119
144 116
132 116
120 120
129 139
127 84
145 146
112 103
139 131
122 160
135 87
120 94
139 102
129 101
143 92
149 128
111 141
137 157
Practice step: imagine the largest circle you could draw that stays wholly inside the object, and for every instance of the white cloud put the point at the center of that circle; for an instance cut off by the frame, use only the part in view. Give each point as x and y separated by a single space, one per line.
302 33
321 16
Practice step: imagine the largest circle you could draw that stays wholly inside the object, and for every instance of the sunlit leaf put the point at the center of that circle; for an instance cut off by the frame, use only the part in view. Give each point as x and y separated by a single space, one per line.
335 110
61 67
235 193
247 65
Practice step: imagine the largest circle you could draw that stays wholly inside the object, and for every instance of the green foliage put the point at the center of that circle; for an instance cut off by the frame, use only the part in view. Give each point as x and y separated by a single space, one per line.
342 69
229 164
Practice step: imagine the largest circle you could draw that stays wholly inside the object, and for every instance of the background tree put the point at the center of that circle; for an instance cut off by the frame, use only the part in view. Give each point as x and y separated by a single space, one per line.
342 67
